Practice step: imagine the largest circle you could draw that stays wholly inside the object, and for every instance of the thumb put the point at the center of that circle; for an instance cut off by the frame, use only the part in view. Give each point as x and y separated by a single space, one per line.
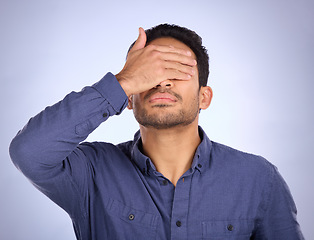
140 41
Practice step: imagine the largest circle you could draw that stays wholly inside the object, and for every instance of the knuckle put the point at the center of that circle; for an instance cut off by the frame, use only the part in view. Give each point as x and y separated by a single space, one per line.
160 71
151 47
159 66
155 54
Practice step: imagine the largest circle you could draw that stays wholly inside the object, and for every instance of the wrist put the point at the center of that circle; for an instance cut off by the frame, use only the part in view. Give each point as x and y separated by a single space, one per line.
123 83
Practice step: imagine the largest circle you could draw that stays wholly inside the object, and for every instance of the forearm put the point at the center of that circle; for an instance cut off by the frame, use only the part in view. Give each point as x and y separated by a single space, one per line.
49 137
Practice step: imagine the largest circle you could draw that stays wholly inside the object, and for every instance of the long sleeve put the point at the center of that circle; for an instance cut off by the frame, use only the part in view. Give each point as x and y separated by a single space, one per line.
279 212
41 148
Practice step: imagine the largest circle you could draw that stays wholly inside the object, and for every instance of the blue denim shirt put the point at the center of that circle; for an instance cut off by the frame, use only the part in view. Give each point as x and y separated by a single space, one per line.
114 191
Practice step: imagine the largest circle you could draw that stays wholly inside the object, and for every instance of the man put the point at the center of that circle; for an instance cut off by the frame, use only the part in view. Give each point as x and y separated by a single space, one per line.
171 181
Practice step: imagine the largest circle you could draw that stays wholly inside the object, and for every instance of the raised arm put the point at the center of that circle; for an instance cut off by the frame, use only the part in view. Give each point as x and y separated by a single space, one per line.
47 149
49 137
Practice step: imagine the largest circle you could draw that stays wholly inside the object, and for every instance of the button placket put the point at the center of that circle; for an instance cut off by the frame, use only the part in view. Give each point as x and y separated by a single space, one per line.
180 208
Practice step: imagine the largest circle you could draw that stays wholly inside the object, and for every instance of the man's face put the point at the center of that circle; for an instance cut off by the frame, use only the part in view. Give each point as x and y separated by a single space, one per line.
172 102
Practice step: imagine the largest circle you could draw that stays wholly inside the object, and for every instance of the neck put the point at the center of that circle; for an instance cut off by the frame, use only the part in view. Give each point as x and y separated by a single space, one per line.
171 150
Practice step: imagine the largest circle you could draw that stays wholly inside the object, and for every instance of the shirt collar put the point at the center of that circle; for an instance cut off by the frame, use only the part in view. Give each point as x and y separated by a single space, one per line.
200 160
141 160
202 154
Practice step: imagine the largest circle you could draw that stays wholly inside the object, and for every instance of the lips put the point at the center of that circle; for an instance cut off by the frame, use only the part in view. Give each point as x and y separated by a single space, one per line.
162 97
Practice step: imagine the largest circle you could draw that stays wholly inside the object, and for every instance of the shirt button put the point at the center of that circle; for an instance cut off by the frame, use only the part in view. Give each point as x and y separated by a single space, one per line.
178 223
131 217
230 227
164 182
105 115
199 165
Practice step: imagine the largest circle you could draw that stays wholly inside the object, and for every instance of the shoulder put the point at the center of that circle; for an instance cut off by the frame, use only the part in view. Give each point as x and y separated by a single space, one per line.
104 151
239 161
246 172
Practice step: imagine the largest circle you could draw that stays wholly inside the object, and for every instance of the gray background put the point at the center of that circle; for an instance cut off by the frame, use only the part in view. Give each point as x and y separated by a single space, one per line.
261 73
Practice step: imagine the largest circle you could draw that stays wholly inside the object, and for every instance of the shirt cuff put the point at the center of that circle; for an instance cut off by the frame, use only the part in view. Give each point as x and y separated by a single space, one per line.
111 90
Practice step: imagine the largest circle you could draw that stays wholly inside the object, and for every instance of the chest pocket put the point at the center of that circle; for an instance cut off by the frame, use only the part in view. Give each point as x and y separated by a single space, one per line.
230 229
129 223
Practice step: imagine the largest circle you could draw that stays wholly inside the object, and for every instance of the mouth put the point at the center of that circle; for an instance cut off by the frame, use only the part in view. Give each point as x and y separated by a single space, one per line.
162 98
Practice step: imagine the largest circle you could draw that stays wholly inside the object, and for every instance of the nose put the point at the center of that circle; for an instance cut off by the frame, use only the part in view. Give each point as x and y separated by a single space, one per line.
165 84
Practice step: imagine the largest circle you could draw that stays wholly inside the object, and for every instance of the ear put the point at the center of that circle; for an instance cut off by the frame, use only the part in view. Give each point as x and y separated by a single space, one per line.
130 102
206 94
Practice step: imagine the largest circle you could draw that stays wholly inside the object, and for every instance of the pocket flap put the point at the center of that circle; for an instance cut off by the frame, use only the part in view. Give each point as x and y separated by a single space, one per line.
227 228
131 215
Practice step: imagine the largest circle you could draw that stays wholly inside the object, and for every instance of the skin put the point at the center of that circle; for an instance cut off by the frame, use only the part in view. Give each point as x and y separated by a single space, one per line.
161 81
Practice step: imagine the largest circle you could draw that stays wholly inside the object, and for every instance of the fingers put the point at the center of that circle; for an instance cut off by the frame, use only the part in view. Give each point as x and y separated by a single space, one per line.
170 62
186 69
170 53
171 49
179 58
179 63
173 74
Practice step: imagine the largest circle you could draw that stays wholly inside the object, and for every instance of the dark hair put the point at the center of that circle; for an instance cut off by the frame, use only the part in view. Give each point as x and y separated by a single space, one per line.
189 38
